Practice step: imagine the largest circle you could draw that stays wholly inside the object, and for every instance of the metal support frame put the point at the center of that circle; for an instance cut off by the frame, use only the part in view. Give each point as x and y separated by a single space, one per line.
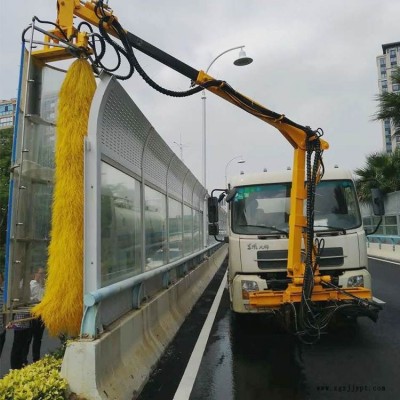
137 295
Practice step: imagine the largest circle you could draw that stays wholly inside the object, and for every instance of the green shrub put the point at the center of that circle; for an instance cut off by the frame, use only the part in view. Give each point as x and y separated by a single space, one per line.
38 381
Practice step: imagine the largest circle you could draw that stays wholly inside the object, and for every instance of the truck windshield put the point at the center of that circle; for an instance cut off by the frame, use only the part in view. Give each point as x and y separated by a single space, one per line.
265 209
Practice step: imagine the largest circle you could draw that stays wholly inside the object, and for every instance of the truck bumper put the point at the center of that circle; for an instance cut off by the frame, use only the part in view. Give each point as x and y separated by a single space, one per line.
250 293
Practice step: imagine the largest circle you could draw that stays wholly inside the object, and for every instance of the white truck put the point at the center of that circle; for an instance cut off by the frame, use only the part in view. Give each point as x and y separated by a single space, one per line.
258 237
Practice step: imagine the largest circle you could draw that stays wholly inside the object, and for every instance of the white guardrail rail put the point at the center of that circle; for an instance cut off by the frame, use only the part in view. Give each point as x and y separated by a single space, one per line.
384 246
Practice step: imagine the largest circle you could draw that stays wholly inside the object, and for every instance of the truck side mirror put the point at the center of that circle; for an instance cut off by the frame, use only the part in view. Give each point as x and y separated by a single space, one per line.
213 229
231 194
212 210
378 205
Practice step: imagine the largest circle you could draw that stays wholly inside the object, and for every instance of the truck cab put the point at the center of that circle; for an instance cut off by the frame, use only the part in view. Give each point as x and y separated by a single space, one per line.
258 220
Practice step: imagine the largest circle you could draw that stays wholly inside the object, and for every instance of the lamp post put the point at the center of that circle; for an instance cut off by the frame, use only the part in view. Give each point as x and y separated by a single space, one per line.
241 161
240 61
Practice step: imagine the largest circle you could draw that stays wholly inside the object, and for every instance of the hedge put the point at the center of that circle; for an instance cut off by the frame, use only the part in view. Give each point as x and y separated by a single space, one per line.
38 381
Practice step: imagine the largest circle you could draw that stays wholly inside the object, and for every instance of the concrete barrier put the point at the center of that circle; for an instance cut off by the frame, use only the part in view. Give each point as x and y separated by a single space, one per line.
118 364
384 250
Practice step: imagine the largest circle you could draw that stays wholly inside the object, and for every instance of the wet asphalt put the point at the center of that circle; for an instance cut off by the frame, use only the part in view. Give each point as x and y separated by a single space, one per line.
255 358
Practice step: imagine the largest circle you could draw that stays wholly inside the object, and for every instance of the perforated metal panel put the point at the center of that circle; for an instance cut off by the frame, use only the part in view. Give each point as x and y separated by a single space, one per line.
188 186
123 128
156 158
176 175
126 136
198 196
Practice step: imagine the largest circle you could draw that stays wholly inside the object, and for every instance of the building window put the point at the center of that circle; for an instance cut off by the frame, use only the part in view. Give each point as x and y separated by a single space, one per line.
396 87
8 121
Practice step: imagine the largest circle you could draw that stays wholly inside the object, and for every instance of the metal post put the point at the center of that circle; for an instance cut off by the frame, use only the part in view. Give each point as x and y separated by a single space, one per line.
204 180
204 124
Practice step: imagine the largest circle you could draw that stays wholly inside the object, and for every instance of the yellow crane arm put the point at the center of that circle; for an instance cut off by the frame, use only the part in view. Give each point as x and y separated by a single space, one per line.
298 136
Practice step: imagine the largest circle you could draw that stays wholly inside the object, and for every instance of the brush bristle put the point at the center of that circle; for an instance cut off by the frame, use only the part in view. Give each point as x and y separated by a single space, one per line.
62 305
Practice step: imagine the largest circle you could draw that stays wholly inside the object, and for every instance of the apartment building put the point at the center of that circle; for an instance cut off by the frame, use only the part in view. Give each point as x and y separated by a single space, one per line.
386 63
7 113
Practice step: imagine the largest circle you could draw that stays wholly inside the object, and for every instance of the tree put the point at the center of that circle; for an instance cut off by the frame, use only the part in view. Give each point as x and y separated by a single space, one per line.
382 171
389 104
6 137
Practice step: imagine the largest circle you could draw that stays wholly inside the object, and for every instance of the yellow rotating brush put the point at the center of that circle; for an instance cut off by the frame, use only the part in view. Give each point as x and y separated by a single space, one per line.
62 304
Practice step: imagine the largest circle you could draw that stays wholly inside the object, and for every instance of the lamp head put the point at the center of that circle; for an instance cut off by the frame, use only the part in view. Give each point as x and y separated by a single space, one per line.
243 59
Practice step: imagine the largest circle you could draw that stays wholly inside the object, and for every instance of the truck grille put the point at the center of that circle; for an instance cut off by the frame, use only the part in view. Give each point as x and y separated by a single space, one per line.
277 259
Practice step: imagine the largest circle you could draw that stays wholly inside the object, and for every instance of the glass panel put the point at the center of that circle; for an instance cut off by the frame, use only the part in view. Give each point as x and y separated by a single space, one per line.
48 106
197 218
391 230
390 220
187 230
155 221
375 220
261 209
120 225
336 206
174 229
33 184
367 221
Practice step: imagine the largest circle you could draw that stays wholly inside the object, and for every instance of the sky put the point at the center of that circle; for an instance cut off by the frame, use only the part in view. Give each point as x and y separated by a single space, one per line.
314 61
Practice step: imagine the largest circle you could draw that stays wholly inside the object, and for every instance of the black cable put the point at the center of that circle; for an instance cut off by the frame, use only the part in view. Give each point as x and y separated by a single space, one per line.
146 78
24 32
98 56
44 22
126 51
263 111
54 24
311 318
84 23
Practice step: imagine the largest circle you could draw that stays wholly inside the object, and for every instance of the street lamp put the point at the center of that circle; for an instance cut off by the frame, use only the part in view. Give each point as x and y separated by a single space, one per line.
241 161
240 61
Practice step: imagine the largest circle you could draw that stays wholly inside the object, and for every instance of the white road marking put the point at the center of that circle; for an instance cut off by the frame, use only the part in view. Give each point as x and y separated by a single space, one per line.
379 301
382 259
186 384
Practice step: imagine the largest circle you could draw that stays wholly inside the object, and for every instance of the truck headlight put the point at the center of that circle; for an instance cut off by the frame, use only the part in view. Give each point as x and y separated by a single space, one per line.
248 286
355 281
